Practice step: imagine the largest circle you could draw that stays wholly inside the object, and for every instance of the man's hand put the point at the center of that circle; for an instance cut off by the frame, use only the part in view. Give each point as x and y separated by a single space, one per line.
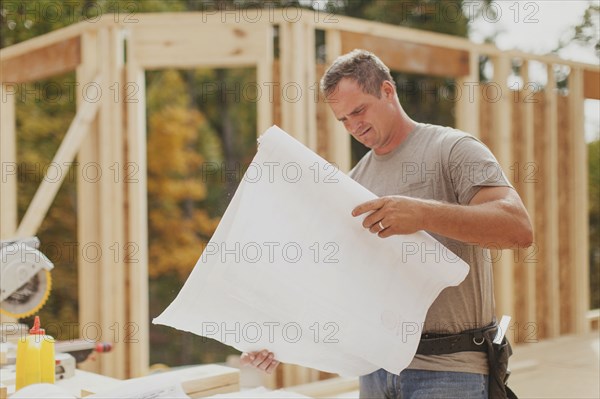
494 218
392 215
263 360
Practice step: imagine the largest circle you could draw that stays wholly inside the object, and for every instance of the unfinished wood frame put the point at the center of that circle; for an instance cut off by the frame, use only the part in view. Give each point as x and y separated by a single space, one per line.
114 294
8 162
500 142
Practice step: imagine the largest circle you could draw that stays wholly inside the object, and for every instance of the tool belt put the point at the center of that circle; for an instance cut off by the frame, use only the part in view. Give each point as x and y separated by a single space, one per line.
476 340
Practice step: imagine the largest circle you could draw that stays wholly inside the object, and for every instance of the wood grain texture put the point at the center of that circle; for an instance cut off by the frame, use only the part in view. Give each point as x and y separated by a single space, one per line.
56 58
591 84
541 157
136 227
566 266
404 56
8 162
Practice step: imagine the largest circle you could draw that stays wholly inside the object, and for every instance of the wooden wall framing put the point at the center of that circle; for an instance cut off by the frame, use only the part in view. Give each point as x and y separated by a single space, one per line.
536 134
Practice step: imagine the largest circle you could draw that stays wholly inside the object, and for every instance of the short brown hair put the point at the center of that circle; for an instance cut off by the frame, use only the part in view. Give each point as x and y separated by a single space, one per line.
361 66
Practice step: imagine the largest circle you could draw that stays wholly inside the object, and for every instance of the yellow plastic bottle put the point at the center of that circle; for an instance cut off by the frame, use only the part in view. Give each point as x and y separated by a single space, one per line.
35 357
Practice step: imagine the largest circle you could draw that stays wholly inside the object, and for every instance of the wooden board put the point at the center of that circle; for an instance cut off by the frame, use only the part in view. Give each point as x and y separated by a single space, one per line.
321 112
527 174
328 21
519 158
173 45
564 163
409 57
207 377
485 116
591 84
579 205
41 63
551 197
276 104
468 102
8 162
541 221
292 59
264 75
311 88
339 139
136 199
88 219
113 321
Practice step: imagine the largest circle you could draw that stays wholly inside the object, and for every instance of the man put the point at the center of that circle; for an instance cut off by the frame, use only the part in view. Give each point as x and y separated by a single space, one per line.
430 178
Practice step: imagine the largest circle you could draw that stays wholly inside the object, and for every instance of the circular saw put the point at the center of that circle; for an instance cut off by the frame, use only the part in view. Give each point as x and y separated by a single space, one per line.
25 281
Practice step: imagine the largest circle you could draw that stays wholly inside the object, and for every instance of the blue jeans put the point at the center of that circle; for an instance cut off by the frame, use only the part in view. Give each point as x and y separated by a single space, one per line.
423 384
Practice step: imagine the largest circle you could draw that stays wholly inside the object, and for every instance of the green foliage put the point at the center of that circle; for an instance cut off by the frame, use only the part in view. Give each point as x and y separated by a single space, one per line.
443 16
173 347
587 32
42 121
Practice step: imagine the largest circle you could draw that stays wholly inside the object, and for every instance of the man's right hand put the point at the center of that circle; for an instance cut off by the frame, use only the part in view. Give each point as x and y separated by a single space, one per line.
263 360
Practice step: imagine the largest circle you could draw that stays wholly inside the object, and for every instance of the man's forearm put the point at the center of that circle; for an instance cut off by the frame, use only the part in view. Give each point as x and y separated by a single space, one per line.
497 224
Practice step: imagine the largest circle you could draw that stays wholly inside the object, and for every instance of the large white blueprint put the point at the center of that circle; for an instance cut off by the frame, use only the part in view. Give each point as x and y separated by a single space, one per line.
290 270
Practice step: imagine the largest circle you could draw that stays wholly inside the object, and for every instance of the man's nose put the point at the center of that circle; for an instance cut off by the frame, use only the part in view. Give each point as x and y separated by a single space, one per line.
353 126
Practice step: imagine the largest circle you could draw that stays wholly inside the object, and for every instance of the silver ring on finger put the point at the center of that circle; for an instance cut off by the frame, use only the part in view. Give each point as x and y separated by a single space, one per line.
381 226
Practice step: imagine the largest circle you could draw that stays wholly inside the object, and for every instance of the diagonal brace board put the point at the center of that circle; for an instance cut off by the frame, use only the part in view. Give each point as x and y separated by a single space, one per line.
66 153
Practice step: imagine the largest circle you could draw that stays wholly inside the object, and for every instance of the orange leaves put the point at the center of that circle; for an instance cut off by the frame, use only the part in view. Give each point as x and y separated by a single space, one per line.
179 225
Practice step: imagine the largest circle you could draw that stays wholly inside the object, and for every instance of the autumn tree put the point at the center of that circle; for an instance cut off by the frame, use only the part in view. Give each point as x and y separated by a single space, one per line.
180 227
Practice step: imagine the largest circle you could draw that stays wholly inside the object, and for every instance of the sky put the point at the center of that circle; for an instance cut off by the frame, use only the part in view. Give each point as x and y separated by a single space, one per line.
538 27
535 26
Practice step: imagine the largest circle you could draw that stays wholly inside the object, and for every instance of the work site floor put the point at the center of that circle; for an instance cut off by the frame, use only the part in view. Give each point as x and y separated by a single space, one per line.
565 367
562 368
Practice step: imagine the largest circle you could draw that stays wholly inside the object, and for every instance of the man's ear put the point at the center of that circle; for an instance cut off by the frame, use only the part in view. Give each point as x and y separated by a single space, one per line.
388 90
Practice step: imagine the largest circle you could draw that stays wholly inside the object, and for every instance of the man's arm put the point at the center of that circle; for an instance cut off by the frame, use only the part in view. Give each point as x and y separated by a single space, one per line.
495 218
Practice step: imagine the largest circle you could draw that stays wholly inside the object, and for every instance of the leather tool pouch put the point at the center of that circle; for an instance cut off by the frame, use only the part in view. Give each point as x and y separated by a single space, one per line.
498 355
478 340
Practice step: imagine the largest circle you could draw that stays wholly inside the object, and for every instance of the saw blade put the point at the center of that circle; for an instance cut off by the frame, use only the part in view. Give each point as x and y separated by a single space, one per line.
29 298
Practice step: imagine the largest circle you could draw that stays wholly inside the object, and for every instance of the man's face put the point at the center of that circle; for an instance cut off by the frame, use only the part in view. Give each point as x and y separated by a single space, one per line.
366 117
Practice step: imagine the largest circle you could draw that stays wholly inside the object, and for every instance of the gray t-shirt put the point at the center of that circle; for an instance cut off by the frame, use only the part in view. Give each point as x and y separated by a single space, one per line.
447 165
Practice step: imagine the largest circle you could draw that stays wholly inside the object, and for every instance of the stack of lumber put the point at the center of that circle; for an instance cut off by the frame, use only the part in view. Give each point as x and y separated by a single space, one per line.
196 382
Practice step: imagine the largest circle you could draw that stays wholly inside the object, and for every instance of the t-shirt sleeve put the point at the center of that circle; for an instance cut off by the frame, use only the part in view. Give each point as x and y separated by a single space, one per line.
472 166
